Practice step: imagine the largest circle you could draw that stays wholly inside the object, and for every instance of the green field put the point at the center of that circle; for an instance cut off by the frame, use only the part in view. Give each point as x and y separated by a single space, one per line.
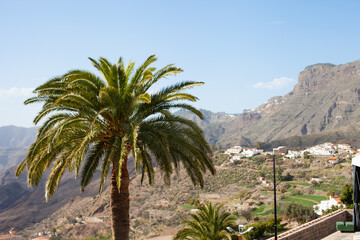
278 209
259 210
297 183
291 190
302 202
312 197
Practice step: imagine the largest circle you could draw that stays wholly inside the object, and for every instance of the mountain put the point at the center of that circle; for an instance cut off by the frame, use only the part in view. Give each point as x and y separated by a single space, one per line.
16 137
21 207
14 142
326 98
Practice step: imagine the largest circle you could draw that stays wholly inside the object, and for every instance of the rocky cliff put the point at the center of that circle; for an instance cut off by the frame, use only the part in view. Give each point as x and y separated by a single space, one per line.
326 97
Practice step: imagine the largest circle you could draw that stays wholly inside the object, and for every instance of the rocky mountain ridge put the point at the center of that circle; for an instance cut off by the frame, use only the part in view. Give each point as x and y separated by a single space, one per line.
326 97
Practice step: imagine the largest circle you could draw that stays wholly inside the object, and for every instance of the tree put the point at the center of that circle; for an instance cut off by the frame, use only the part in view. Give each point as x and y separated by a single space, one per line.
91 121
347 195
296 211
246 213
208 223
259 145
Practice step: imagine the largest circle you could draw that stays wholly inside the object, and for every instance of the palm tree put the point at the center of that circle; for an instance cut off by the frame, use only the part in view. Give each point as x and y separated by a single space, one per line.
89 121
209 223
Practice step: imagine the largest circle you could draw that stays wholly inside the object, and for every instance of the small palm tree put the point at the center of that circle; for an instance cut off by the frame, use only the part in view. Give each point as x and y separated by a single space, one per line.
209 223
91 121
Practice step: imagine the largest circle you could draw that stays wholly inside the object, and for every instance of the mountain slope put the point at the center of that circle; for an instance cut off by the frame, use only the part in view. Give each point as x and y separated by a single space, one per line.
14 142
17 137
326 97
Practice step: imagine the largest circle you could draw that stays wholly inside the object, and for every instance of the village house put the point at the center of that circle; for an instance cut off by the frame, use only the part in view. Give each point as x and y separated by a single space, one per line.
344 146
249 152
266 183
318 180
334 160
293 154
327 204
237 156
233 150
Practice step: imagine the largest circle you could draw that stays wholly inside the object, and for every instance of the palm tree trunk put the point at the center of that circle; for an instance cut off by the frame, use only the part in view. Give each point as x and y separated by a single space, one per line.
120 205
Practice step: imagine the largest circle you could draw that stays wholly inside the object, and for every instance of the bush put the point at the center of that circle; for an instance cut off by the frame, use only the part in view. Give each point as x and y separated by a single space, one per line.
247 214
297 212
314 183
261 227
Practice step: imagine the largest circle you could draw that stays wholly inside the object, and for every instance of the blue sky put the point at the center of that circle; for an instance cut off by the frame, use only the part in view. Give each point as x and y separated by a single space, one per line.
244 51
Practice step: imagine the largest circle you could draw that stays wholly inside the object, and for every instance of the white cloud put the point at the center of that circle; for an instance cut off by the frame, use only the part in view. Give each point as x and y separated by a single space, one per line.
277 83
15 92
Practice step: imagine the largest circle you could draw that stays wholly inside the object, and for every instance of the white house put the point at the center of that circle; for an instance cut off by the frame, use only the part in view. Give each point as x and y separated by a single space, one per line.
249 152
237 156
234 150
292 154
344 146
327 204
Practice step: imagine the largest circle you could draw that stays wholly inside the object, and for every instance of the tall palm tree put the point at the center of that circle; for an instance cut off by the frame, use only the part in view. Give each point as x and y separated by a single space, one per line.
209 223
91 121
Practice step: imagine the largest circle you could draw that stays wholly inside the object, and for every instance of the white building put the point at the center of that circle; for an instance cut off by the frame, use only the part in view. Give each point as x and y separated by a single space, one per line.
327 204
234 150
249 152
344 146
293 154
238 156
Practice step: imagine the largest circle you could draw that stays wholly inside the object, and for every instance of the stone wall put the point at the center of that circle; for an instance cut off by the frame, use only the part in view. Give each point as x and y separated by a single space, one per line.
318 228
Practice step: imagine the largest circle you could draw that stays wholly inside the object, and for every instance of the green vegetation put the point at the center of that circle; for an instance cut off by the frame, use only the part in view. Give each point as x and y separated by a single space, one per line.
187 207
259 210
347 195
209 222
92 122
260 228
312 197
300 201
99 237
298 183
270 211
298 212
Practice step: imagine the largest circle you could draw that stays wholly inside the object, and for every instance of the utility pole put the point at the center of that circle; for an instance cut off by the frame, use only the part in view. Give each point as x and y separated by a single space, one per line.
275 216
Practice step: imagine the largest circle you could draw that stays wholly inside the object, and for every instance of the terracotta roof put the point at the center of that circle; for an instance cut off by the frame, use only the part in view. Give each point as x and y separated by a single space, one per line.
337 199
333 158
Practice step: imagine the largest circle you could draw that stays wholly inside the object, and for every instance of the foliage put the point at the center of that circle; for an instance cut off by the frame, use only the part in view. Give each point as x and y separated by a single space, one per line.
312 197
300 201
287 177
330 210
220 158
246 213
306 155
347 195
261 227
259 210
298 183
209 222
99 237
89 121
298 212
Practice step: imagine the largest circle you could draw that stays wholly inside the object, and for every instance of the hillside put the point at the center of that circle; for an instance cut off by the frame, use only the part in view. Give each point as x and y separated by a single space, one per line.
159 210
16 137
326 97
21 207
14 142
